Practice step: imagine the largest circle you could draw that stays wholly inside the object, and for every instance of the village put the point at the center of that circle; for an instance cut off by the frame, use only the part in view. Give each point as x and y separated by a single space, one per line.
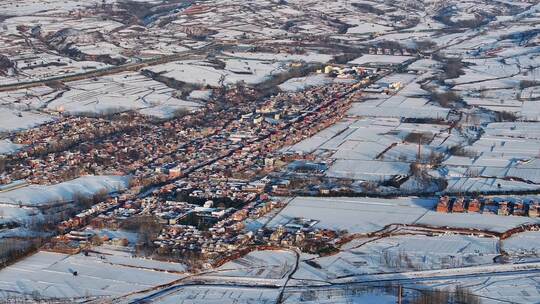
214 179
266 151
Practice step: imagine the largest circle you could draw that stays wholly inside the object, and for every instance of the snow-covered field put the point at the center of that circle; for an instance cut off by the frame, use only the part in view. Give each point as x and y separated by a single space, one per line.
486 185
7 147
220 295
491 288
504 158
411 109
316 141
37 72
518 288
367 170
356 215
380 59
12 120
400 253
112 94
37 195
374 149
526 243
236 70
51 275
341 297
307 57
366 28
301 83
260 264
249 68
397 130
476 221
124 256
363 215
28 7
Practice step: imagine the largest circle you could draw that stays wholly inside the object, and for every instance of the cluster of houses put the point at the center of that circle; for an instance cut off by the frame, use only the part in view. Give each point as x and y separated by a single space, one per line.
209 143
44 158
388 51
384 89
104 210
77 241
233 234
517 207
226 235
206 173
246 149
364 74
220 232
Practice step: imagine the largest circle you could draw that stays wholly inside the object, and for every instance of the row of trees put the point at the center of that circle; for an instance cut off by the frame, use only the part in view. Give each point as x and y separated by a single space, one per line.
12 249
459 295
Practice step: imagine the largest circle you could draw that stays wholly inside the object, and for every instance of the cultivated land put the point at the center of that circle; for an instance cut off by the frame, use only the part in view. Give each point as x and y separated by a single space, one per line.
297 151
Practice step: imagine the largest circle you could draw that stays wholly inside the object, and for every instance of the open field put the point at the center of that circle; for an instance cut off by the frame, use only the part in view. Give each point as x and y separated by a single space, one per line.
306 151
34 195
51 275
364 215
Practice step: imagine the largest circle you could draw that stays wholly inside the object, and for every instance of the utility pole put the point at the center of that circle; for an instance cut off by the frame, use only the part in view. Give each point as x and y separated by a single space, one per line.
400 292
419 157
